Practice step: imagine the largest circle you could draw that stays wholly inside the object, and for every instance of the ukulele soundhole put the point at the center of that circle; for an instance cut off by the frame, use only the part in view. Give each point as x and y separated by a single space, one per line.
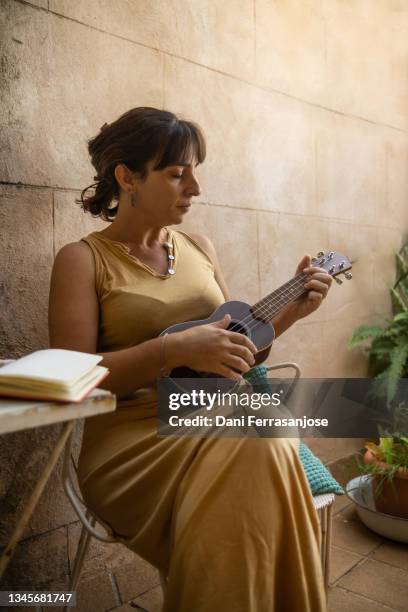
239 328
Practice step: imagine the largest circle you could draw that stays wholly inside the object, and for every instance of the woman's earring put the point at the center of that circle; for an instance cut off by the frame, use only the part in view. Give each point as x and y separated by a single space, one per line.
133 199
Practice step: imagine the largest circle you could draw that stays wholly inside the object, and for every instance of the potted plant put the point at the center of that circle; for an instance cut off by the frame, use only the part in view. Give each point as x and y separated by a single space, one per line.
387 464
387 460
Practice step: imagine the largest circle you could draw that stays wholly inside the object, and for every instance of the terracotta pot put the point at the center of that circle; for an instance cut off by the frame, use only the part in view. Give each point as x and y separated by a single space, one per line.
392 496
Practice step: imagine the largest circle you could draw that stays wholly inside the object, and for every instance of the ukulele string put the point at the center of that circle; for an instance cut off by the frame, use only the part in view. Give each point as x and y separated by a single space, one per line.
269 307
265 309
253 323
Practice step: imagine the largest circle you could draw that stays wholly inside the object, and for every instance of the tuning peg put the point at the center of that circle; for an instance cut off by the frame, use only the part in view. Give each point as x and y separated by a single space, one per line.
338 280
348 275
320 254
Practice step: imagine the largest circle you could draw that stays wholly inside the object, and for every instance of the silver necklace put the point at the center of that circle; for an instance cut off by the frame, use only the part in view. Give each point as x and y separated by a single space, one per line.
170 255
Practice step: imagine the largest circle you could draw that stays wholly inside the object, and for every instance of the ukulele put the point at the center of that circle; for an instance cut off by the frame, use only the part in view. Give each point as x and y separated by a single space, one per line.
255 321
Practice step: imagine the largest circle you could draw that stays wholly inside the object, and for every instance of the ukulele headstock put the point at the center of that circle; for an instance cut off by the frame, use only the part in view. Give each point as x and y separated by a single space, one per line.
334 263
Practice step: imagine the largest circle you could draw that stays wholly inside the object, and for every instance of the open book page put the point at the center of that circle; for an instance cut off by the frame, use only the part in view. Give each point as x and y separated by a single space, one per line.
51 365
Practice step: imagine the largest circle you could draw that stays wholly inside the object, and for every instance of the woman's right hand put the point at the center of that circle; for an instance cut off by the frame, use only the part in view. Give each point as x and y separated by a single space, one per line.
213 348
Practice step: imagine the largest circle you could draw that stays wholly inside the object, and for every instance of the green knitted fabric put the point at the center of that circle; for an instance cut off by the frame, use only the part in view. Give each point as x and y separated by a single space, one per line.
258 375
319 477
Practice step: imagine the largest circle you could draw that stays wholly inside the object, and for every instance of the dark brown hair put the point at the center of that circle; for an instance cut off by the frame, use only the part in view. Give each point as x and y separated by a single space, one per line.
137 137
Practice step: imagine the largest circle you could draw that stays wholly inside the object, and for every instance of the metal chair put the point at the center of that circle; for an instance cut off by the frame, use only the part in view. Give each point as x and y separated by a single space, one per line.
87 518
322 503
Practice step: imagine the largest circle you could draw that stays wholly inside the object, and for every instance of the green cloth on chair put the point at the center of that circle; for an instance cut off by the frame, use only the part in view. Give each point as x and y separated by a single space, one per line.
319 477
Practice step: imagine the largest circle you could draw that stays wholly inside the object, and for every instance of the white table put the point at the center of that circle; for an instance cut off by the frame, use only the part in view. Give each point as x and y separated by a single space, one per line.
16 415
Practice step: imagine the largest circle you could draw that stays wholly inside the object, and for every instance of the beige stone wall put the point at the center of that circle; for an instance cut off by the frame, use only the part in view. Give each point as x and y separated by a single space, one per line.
304 105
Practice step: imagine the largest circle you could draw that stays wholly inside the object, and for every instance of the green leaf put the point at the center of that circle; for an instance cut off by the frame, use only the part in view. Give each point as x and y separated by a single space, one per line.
400 297
383 344
387 447
401 267
362 333
398 360
398 301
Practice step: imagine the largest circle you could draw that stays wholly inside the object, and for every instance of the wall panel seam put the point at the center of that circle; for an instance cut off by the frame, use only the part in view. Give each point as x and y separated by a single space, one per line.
34 6
20 185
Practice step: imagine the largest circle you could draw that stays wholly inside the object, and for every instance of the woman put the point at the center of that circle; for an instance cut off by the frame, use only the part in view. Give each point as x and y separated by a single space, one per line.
230 521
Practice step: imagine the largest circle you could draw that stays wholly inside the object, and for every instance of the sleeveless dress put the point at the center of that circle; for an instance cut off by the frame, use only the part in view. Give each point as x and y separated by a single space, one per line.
230 521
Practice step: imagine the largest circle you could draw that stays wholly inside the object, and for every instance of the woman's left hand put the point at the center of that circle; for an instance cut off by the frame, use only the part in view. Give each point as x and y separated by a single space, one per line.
318 285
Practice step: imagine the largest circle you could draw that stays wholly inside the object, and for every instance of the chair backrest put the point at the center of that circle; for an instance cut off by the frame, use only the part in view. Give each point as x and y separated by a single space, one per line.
287 364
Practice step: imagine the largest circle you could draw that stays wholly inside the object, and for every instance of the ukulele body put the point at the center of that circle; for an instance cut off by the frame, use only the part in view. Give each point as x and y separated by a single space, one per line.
243 321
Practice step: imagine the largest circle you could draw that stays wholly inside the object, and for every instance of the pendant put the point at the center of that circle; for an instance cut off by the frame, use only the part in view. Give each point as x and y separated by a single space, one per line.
170 257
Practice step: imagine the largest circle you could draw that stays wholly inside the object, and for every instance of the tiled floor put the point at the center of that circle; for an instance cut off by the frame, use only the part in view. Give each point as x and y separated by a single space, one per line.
368 573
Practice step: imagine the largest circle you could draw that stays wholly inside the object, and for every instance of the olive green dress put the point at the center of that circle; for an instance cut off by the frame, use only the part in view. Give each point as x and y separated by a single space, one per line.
229 520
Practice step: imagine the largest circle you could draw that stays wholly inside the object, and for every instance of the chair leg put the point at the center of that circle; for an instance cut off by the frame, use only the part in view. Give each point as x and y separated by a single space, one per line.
328 547
83 545
323 528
